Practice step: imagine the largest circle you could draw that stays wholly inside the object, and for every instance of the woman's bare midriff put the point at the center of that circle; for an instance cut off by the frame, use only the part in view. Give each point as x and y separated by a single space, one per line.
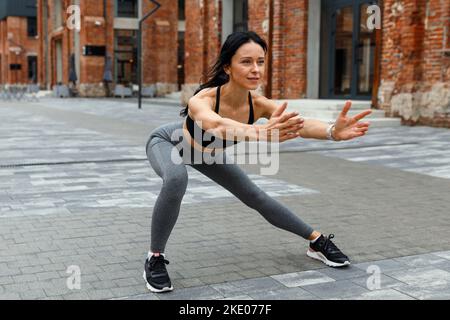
194 143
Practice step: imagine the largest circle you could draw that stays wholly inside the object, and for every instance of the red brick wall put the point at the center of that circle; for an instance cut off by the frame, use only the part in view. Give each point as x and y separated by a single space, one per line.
53 34
160 43
92 67
436 63
290 19
202 38
13 33
414 66
295 47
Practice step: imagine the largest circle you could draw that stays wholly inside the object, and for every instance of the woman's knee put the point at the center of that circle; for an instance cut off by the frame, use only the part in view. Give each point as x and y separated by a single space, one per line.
176 181
255 198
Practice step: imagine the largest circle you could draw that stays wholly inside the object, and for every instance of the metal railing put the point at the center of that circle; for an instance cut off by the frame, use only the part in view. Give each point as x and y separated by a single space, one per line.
19 92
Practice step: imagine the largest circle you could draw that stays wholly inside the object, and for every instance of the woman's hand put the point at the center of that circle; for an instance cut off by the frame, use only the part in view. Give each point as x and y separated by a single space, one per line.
285 126
348 128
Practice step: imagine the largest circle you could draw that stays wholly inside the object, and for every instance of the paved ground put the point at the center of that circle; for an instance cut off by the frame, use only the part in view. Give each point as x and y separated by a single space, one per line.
76 190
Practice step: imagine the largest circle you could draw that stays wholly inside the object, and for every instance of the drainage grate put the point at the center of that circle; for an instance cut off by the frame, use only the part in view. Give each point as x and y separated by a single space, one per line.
15 165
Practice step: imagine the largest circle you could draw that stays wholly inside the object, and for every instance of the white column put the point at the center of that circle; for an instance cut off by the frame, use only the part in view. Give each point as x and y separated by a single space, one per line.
227 19
313 52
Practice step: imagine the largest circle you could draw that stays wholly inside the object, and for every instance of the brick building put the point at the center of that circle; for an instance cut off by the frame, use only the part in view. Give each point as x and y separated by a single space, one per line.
108 31
325 49
19 43
319 49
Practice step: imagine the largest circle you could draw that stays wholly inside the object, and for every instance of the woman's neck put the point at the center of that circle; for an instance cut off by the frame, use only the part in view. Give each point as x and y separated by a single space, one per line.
234 95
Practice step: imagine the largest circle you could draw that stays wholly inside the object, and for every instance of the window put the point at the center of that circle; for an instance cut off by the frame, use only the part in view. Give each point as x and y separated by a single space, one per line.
125 54
32 69
31 4
32 26
127 8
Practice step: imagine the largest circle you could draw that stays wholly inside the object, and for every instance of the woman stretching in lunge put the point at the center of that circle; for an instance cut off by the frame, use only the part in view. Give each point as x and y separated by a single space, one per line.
222 105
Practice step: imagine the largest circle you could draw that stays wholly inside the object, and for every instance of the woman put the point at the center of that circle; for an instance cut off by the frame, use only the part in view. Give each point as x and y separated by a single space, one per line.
224 106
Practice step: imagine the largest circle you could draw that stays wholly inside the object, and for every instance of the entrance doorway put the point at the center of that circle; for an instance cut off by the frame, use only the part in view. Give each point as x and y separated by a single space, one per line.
348 50
59 62
125 56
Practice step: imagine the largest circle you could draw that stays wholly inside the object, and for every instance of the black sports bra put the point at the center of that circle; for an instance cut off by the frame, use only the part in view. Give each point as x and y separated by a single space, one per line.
208 138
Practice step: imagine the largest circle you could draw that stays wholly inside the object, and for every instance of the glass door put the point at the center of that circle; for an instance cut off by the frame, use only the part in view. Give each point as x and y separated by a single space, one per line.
343 50
125 56
365 54
351 45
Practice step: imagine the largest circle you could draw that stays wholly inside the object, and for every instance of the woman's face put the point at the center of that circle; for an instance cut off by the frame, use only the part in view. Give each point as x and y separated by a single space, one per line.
247 66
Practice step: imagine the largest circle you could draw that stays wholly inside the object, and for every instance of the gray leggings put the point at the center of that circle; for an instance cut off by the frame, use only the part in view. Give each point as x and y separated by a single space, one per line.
230 176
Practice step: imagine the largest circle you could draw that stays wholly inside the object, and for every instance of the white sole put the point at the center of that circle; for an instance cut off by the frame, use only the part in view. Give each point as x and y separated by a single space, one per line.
152 289
319 256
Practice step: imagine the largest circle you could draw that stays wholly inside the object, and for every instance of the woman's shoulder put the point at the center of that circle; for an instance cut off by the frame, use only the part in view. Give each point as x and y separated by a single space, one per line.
260 98
263 104
205 98
207 95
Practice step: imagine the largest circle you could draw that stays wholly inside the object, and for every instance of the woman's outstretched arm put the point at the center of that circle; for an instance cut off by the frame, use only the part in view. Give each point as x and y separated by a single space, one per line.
345 127
282 125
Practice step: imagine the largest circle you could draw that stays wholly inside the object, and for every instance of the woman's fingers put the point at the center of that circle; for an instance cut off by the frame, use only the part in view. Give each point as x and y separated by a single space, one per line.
287 116
279 111
347 106
291 132
361 115
289 122
285 134
285 127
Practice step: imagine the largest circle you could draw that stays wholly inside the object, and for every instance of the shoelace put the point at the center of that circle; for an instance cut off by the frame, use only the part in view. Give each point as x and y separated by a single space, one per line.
158 263
329 245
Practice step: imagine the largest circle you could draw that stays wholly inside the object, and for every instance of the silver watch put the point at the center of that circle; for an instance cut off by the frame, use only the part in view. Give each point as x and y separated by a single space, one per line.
329 130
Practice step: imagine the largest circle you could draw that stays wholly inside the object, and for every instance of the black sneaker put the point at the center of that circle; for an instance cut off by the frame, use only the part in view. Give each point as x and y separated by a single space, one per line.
156 276
325 250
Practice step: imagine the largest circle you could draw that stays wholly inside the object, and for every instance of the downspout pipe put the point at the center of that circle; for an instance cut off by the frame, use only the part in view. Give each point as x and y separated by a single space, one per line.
270 53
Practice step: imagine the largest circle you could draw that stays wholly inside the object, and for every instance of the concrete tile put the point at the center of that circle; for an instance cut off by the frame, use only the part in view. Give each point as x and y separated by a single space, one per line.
9 296
240 297
283 294
386 294
443 254
247 286
386 282
335 289
425 276
343 273
304 278
426 292
384 265
443 265
196 293
146 296
420 260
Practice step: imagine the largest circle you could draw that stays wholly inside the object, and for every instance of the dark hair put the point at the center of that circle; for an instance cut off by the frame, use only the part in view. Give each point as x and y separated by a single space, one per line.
216 76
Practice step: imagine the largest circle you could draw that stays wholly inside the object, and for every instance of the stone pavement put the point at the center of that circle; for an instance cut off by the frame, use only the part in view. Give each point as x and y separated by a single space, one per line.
76 190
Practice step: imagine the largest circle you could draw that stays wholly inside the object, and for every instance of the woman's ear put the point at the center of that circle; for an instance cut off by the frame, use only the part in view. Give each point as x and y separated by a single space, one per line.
227 70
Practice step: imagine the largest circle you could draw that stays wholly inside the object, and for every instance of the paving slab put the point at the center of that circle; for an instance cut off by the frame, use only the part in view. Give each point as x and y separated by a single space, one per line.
76 189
